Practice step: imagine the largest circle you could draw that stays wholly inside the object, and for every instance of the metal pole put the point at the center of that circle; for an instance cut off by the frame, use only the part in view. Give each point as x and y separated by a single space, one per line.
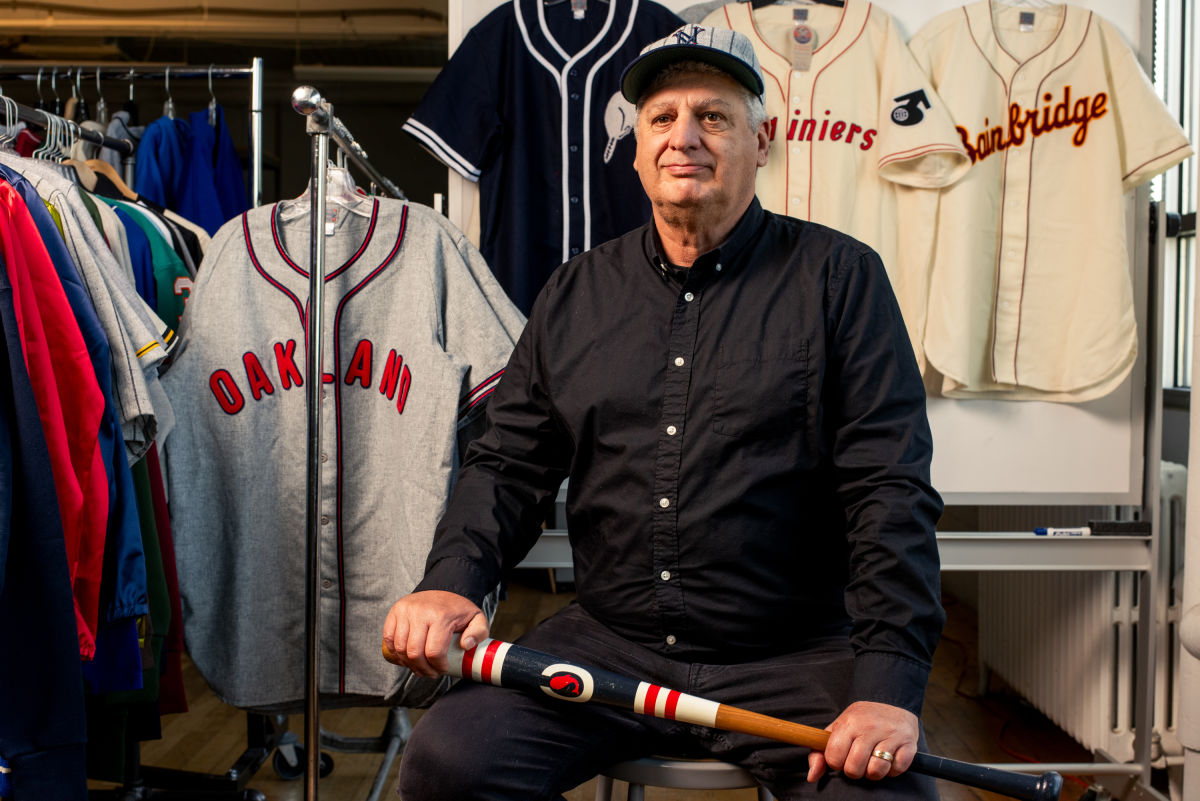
308 101
256 109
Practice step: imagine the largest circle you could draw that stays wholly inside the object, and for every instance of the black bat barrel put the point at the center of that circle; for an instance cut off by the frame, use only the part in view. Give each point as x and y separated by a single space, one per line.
1046 787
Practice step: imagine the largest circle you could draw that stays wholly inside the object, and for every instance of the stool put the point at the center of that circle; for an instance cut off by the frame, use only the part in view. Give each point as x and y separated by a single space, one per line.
685 774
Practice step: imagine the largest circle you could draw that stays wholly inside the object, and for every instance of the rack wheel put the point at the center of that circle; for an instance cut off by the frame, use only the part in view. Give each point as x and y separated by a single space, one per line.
288 762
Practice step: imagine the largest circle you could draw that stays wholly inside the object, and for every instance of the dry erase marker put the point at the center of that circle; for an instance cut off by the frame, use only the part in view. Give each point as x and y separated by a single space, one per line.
1078 531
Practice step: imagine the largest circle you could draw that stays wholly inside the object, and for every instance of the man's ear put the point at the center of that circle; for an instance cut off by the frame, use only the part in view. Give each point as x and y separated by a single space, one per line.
764 142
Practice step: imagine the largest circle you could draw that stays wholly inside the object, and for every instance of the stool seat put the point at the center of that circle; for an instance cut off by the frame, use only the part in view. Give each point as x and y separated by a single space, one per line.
684 774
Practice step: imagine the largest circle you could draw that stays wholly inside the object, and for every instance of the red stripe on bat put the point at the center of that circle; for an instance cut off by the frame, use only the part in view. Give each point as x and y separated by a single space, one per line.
489 656
651 700
672 702
468 658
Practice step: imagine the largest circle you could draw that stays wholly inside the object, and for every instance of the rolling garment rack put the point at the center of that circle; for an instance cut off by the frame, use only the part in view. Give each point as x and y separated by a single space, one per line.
111 72
322 126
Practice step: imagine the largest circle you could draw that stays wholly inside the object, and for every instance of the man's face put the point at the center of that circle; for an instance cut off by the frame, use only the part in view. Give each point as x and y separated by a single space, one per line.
695 147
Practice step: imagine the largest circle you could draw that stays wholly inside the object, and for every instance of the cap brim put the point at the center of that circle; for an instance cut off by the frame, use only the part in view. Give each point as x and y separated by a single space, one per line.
642 70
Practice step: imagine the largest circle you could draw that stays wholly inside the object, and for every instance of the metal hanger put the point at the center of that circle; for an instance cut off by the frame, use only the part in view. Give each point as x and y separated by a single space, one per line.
169 105
212 99
57 106
41 104
81 107
101 105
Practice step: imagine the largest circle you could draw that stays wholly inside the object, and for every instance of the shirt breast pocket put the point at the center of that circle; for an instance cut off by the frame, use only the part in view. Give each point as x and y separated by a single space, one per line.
761 389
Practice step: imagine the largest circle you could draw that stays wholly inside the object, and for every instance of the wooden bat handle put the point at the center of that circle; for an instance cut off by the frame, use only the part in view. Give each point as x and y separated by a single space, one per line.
732 718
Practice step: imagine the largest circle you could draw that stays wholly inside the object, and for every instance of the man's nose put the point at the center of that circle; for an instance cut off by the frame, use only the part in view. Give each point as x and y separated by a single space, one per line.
685 133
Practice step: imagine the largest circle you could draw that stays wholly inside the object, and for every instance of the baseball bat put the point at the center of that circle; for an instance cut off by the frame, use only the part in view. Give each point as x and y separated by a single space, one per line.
504 664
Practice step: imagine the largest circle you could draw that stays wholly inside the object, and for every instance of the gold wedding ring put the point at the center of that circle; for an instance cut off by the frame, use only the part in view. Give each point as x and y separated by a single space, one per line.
886 756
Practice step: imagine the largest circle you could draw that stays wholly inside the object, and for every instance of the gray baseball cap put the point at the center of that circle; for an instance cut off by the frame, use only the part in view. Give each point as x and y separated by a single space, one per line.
725 49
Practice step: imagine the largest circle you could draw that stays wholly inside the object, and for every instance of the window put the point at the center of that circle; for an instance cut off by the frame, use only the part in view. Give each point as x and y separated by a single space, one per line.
1176 71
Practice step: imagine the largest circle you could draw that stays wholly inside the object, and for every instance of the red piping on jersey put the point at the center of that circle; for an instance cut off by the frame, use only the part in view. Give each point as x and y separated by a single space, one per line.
917 151
337 355
339 270
479 393
1151 161
982 52
300 308
1062 25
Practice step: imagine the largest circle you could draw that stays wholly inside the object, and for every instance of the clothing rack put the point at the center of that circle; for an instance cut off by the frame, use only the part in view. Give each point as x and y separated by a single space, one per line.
322 126
165 73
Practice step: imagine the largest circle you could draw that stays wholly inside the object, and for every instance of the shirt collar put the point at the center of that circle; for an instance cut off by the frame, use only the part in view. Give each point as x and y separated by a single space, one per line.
724 254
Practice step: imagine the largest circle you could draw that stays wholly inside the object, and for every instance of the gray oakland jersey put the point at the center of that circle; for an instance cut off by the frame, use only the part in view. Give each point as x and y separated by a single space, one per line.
416 336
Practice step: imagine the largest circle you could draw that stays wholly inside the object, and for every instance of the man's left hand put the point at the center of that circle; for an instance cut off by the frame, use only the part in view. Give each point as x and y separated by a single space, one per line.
863 728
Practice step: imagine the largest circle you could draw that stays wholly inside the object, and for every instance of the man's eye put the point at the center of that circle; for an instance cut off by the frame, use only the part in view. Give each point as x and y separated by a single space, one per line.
713 116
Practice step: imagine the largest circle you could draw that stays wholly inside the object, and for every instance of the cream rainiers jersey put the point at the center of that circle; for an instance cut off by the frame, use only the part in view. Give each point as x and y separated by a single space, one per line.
417 334
852 134
1030 294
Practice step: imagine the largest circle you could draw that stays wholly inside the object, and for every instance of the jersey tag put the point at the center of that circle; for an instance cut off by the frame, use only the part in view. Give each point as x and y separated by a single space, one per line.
1025 22
804 39
331 219
578 9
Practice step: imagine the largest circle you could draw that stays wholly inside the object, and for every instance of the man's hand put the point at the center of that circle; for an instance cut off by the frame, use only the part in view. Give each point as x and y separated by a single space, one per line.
863 727
419 627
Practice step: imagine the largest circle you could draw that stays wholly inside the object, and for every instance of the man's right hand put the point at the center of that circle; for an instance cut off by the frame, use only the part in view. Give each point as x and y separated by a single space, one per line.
419 628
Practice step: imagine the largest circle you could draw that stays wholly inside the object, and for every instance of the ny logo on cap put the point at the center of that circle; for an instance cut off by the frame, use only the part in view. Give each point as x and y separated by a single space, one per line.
682 36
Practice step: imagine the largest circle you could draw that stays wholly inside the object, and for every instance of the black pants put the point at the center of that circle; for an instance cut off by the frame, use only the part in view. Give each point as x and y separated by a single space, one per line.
484 742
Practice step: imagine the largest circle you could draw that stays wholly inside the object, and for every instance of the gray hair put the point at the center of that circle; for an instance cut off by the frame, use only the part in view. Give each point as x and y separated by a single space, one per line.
756 110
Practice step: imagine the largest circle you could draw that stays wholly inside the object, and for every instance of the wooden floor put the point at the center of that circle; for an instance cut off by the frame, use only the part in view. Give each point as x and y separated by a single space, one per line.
960 724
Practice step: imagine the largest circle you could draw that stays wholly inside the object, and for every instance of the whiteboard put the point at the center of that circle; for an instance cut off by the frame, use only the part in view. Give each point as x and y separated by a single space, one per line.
987 451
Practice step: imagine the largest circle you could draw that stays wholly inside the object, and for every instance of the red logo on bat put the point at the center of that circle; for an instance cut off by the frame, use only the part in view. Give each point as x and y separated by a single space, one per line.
568 685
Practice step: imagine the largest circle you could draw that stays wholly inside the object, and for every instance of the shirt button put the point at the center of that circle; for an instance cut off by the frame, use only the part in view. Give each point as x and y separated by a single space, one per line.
679 361
326 584
795 148
689 297
665 575
718 268
324 457
574 95
574 198
671 639
324 520
664 502
574 251
574 148
796 200
672 430
796 101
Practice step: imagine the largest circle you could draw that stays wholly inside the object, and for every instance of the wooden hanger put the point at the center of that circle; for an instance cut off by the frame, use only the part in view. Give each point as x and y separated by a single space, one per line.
108 171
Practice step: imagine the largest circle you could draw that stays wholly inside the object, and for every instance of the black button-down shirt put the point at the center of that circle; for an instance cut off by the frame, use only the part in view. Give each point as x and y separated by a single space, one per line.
748 453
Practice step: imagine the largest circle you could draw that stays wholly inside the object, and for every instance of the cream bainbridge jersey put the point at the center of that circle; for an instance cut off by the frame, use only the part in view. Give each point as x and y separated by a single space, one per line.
1030 296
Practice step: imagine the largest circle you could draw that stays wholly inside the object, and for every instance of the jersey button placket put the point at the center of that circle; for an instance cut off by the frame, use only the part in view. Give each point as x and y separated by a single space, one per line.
1010 260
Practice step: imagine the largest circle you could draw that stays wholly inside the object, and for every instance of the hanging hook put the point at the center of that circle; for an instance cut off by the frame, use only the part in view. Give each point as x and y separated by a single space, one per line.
57 107
169 106
41 98
81 107
101 104
212 101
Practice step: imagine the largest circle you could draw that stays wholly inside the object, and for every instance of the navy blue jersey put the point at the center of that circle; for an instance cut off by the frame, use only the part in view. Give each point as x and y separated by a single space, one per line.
530 107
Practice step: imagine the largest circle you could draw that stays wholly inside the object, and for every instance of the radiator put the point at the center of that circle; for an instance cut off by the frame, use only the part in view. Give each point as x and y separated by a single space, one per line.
1066 640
